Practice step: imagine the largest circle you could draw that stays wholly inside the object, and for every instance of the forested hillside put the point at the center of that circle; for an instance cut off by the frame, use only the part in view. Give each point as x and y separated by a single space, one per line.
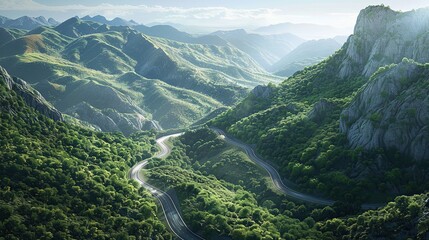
297 124
222 193
63 182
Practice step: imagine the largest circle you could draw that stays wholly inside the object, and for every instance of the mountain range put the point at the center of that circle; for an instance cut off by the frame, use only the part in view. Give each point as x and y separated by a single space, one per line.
306 54
266 50
303 30
27 23
118 79
114 22
358 120
82 102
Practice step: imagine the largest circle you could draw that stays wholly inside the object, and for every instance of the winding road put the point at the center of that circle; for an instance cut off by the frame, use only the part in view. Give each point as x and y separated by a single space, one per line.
274 175
172 215
277 180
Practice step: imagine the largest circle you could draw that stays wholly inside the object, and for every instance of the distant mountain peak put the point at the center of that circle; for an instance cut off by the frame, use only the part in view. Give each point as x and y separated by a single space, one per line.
383 36
374 19
26 22
114 22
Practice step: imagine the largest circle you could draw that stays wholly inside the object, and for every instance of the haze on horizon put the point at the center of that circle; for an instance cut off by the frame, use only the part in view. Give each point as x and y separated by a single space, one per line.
208 14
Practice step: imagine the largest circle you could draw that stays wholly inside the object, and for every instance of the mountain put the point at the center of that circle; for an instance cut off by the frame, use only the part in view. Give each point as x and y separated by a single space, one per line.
113 78
160 30
30 96
27 23
65 182
169 32
341 39
391 112
266 50
374 45
373 89
114 22
306 54
303 30
7 34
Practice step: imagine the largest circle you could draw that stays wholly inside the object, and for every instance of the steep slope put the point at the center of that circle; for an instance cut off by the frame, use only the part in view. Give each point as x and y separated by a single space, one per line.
7 35
405 218
303 30
27 23
114 22
106 75
379 39
304 55
266 50
379 152
100 52
392 111
30 96
64 182
223 73
169 32
160 30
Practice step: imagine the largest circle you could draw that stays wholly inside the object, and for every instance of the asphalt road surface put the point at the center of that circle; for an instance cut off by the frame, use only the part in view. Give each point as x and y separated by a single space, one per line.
277 180
172 215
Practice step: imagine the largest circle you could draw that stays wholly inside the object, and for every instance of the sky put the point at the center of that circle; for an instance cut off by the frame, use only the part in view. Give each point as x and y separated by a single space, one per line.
212 14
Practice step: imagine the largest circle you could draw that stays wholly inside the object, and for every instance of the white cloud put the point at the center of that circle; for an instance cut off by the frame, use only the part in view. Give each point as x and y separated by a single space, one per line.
144 13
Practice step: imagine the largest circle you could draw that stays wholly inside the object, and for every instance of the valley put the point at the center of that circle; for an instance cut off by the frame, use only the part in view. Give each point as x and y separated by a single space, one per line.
114 129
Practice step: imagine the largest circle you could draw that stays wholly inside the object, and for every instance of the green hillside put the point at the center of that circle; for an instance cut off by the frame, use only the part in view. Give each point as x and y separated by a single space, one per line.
221 193
371 157
117 79
64 182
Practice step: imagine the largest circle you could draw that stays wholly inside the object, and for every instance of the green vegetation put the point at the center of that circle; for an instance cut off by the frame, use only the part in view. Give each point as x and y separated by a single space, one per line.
405 218
65 182
297 129
117 79
223 193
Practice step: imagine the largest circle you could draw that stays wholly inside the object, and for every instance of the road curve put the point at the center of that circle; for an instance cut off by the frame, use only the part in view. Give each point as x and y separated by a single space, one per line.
172 215
274 175
277 180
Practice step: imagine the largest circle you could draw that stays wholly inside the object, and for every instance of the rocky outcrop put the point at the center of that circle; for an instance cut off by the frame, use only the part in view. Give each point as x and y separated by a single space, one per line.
320 110
32 97
392 111
109 119
383 36
263 91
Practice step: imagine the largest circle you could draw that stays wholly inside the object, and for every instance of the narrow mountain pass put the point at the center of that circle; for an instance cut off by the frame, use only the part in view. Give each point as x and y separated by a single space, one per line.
172 215
277 180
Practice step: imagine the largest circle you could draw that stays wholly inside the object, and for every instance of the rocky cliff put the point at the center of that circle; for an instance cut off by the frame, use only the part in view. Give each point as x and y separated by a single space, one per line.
32 97
383 36
392 111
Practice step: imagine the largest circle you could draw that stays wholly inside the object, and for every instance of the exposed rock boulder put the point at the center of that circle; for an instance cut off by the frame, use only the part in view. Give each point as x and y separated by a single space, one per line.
32 97
321 109
392 111
108 119
383 36
263 91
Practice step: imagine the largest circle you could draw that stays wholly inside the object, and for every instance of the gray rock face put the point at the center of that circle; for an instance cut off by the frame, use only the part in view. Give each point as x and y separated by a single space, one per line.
383 36
320 110
392 111
108 119
32 97
262 91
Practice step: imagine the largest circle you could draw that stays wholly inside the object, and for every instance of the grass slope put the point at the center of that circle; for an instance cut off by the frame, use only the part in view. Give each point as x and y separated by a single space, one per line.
67 61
